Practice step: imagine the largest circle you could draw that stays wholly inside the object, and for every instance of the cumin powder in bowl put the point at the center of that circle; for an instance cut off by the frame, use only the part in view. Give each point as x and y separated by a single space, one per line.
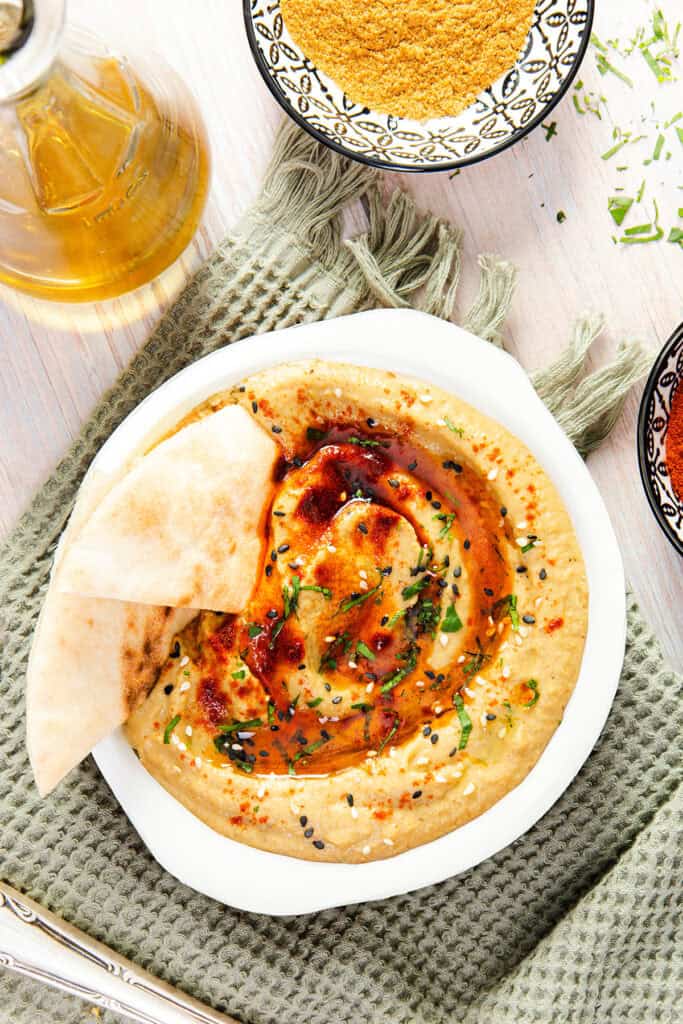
417 59
416 85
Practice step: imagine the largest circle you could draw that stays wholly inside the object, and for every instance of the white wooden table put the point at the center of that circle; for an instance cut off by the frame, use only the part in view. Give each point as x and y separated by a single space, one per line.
56 362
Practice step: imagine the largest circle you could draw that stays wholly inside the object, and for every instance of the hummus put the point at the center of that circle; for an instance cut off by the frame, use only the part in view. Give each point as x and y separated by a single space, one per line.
414 635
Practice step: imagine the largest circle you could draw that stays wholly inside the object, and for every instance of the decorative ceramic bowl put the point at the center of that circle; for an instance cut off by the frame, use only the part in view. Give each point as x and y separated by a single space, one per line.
506 112
665 378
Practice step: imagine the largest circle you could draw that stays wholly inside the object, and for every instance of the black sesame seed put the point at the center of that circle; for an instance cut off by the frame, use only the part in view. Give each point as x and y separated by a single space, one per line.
273 556
276 513
440 678
467 545
362 527
490 717
275 728
453 752
542 574
308 833
254 406
298 462
436 504
301 667
446 561
241 389
442 583
434 738
349 799
457 572
276 429
412 465
292 565
319 844
529 619
370 422
455 589
457 467
371 676
430 674
282 548
427 730
303 821
385 619
264 753
488 591
271 614
417 794
503 511
328 687
392 483
337 700
428 495
269 569
168 689
325 734
387 570
521 568
448 464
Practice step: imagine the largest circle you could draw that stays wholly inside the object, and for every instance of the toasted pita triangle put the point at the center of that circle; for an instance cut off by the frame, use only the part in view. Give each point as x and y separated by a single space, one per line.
91 662
181 528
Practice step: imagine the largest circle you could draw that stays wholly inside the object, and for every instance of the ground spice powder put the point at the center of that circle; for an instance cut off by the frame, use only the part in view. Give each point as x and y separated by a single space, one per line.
674 443
411 58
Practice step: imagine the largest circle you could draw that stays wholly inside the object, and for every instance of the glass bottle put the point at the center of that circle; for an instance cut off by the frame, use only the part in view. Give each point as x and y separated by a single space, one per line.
104 162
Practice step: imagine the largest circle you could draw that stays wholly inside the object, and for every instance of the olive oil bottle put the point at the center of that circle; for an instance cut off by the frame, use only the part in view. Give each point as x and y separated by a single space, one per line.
104 164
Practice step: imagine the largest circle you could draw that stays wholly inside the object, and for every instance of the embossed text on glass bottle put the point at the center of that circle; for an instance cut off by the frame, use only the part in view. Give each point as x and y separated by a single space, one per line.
103 168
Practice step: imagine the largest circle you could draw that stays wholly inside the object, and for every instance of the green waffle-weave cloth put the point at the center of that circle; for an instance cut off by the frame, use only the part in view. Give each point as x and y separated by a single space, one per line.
577 921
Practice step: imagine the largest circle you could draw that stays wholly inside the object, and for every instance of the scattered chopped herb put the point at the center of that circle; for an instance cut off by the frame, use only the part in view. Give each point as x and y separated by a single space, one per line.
357 599
392 732
170 727
366 442
409 655
364 651
447 519
240 673
396 617
413 589
254 630
458 431
550 130
605 65
561 216
464 719
252 723
452 622
619 206
314 703
533 686
507 606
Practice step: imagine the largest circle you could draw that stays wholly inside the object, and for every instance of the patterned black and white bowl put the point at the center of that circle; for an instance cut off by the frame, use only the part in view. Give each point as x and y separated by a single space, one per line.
506 112
653 423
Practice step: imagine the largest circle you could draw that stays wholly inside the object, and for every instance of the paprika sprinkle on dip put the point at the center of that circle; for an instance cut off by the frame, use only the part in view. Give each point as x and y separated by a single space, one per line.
411 58
674 443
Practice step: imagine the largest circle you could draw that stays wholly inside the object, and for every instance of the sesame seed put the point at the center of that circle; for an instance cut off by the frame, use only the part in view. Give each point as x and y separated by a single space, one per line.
542 574
422 760
184 686
198 762
434 738
276 429
363 575
521 568
303 821
443 639
331 548
371 422
352 664
330 639
188 730
521 526
282 548
354 812
427 730
425 398
506 672
254 406
366 851
182 747
440 778
363 584
168 689
337 700
501 733
349 799
467 545
319 844
490 717
417 794
362 527
338 392
469 788
528 619
308 833
492 473
388 842
261 792
370 687
184 661
503 511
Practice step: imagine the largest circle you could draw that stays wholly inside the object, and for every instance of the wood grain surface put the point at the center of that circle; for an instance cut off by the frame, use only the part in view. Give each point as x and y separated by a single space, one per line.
55 362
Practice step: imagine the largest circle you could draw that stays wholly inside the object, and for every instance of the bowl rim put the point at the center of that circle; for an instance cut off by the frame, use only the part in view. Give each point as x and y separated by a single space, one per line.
488 378
643 461
386 165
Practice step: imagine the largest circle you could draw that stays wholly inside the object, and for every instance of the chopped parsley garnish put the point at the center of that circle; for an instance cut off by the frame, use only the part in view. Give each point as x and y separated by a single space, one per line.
507 606
392 732
413 589
170 727
314 703
396 617
464 719
241 673
476 663
531 543
619 206
458 431
366 442
447 519
271 713
426 616
364 651
362 706
533 686
409 656
254 630
309 749
329 658
356 599
452 622
252 723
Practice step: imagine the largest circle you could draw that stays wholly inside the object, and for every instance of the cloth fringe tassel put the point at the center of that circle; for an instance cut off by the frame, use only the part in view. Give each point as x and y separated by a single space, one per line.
409 259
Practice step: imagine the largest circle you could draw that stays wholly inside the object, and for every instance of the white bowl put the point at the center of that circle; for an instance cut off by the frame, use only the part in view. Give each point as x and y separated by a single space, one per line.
422 346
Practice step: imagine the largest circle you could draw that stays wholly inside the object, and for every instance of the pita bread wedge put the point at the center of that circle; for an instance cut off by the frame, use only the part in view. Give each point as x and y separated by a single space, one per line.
91 662
181 527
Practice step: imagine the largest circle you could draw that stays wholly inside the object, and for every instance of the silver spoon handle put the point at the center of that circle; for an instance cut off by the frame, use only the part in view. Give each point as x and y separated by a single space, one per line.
41 946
